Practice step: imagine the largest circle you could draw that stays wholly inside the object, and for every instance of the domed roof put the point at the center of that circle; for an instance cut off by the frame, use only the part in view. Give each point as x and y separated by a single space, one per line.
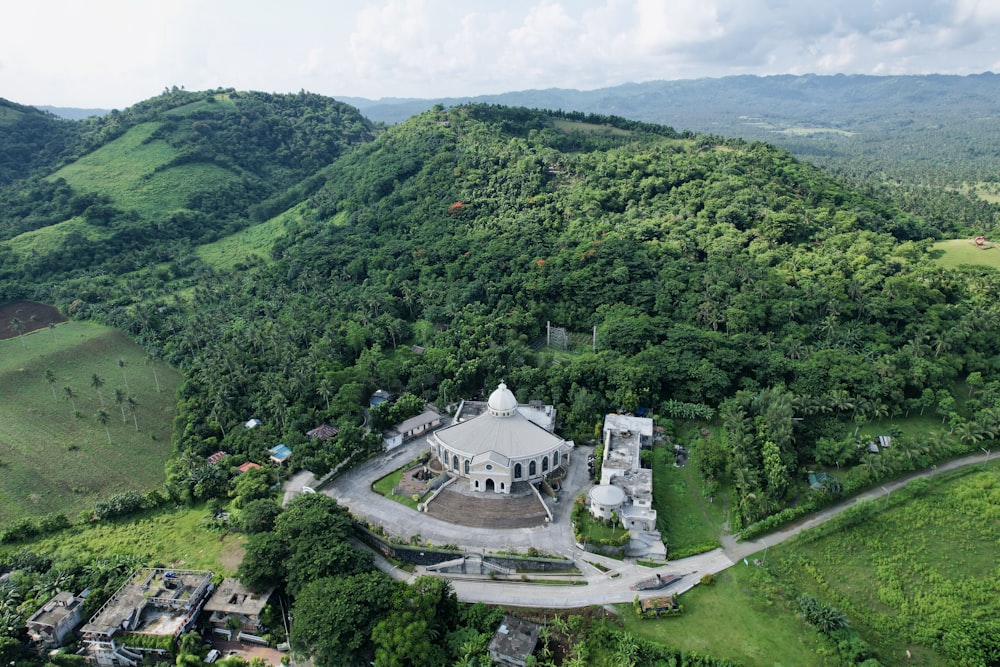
607 495
502 401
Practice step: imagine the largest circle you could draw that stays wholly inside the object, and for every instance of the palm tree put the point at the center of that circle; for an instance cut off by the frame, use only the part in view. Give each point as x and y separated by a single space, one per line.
120 401
132 405
121 365
17 325
50 377
102 418
151 362
70 396
97 382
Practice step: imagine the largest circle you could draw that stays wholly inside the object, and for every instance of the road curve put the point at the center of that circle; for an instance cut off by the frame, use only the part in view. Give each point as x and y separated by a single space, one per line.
607 584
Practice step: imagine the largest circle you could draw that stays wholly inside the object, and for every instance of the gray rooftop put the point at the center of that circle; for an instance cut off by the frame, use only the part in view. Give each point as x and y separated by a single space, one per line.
515 638
514 436
151 602
232 597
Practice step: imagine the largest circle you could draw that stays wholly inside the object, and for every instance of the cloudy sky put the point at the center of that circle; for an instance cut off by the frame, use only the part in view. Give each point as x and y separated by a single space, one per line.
112 53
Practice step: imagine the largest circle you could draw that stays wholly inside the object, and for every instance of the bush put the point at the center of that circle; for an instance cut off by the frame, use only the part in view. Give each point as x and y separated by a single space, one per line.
120 504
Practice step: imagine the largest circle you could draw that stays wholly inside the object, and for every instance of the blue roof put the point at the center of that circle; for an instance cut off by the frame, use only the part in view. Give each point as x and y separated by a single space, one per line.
280 452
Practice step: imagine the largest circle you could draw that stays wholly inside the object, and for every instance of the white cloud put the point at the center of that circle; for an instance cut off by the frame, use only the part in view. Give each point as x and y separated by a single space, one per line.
115 52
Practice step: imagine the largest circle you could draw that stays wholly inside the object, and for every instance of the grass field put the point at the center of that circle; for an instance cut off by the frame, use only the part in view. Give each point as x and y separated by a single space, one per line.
568 126
735 619
956 252
130 171
54 461
690 520
167 537
49 239
922 563
255 241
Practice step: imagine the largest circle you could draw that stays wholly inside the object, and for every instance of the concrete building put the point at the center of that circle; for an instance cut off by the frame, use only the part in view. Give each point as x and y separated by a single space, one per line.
624 438
56 618
414 427
501 442
513 642
152 603
233 600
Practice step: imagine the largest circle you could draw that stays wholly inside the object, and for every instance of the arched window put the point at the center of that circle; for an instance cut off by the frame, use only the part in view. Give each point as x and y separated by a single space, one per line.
454 462
503 485
517 471
477 483
555 459
545 463
531 469
466 466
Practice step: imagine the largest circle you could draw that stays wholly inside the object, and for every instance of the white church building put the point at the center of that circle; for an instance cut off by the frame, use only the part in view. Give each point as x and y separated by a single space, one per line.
501 442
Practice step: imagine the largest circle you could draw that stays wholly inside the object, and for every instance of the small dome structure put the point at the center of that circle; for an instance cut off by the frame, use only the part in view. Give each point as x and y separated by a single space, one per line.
607 494
605 499
502 402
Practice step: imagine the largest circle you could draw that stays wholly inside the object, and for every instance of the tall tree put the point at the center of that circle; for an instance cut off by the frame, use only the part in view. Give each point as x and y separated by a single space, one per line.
102 418
70 396
97 382
17 326
121 364
50 377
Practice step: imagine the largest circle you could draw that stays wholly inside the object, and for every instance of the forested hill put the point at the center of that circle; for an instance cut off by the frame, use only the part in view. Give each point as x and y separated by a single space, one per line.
146 183
31 139
707 266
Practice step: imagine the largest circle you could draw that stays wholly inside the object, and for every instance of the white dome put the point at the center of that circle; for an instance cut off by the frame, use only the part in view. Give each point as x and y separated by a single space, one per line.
607 495
502 402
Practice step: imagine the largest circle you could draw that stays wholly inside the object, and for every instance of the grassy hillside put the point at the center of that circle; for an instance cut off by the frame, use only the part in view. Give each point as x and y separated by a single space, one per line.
169 537
917 572
55 461
134 172
907 573
144 185
956 252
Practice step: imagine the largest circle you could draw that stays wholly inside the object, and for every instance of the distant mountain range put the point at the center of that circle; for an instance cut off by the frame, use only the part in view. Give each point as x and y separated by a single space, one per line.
896 126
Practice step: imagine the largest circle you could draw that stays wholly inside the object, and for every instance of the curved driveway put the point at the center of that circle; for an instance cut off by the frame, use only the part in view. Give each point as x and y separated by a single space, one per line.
603 587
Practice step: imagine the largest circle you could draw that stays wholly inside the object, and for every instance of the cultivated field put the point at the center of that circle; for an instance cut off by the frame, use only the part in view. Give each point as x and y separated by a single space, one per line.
54 453
956 252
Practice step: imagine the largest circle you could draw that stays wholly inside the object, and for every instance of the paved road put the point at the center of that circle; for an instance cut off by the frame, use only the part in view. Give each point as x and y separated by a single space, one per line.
603 587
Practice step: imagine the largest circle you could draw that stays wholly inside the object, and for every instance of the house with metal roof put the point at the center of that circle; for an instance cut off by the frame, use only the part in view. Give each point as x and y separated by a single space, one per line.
500 443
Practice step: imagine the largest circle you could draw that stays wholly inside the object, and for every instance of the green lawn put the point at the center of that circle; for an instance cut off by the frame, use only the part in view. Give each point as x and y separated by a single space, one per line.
167 537
54 461
385 485
738 618
592 529
956 252
688 521
920 566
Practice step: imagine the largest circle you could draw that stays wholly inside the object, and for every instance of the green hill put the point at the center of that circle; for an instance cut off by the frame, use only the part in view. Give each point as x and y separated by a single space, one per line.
145 184
31 140
56 455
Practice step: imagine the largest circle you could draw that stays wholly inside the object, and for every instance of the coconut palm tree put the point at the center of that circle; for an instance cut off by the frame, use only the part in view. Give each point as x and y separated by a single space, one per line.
96 381
70 396
50 377
18 326
102 418
151 359
120 401
132 405
121 365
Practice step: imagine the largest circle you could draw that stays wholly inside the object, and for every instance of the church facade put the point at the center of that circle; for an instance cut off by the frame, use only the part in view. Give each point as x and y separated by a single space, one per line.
501 442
